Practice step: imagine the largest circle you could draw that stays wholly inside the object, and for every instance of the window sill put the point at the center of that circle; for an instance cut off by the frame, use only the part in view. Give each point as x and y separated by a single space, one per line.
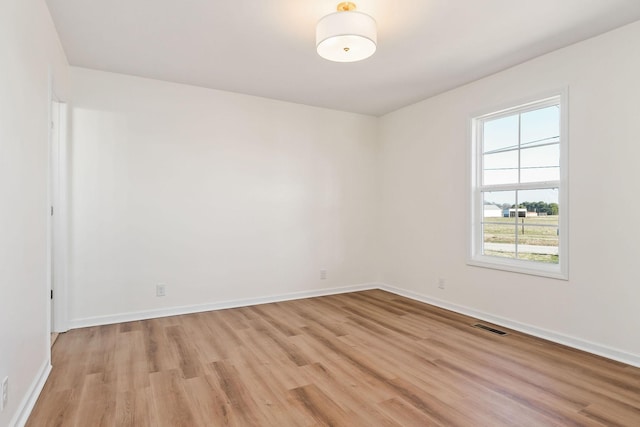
552 271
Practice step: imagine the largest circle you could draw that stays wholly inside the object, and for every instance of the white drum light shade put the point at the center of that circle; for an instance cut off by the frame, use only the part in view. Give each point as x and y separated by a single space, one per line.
346 36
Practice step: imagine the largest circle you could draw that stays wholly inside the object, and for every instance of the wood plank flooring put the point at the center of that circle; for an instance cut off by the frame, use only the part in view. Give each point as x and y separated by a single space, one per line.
360 359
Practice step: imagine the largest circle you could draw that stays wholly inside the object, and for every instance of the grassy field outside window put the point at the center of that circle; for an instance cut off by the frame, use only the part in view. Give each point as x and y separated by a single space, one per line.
537 238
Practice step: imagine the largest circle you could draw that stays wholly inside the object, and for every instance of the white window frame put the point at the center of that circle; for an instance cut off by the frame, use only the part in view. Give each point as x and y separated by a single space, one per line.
475 255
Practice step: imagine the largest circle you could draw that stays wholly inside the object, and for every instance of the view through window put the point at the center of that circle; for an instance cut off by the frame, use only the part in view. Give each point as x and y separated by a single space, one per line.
518 187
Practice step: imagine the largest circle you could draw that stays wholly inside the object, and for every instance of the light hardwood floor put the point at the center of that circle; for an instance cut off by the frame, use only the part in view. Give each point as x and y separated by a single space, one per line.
54 337
360 359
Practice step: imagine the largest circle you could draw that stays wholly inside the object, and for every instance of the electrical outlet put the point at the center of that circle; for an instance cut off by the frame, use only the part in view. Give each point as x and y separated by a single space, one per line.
5 393
161 290
323 274
441 283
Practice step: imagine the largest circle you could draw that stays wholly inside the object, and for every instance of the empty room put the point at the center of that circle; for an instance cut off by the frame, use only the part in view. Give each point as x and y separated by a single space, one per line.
319 213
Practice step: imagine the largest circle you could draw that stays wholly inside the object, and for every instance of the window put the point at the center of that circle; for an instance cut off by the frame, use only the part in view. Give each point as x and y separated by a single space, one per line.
518 220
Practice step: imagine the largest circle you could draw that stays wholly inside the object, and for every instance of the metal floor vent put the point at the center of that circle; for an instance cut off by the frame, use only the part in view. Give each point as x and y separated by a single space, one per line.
490 329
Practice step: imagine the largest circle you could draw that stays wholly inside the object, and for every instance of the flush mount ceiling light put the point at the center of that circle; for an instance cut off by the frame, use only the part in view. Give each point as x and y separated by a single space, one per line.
346 35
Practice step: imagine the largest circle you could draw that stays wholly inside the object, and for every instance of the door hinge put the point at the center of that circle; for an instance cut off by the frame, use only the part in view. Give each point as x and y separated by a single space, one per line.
51 210
51 293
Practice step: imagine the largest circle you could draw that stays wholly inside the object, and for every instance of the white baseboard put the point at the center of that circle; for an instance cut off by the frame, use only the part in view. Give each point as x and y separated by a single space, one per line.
188 309
577 343
29 401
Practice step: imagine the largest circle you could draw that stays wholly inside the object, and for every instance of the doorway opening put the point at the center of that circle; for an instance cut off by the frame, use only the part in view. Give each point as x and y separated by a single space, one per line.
57 224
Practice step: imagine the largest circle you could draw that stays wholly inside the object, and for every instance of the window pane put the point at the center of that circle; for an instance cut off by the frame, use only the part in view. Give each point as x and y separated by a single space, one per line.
540 126
539 203
502 250
540 164
498 228
538 243
503 200
537 230
500 133
500 168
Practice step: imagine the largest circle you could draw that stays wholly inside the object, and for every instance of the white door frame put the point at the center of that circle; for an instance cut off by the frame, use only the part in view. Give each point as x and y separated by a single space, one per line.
57 215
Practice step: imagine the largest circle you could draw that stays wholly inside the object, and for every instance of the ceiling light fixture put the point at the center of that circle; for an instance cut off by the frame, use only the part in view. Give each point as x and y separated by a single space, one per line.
346 35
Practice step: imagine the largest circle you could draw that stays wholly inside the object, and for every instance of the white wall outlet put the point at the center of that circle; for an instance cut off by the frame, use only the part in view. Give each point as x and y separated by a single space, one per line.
161 290
441 283
5 393
323 273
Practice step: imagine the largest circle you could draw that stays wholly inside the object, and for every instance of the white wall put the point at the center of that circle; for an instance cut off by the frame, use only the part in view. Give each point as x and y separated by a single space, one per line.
220 196
424 152
225 197
29 46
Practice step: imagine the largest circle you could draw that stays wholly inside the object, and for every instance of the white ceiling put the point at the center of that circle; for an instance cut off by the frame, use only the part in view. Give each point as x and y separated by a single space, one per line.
267 47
